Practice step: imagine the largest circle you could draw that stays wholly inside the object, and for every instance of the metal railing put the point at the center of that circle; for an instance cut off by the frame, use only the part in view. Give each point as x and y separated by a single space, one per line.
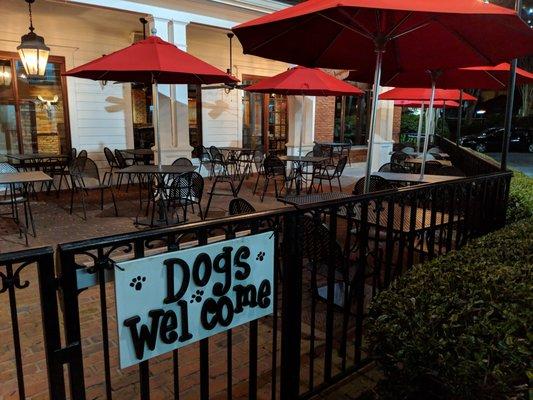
331 259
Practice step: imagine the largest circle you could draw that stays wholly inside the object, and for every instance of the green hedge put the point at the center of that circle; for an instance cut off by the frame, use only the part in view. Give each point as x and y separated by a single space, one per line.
457 327
520 197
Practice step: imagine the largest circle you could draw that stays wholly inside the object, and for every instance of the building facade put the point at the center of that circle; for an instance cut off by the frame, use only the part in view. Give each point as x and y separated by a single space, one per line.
55 113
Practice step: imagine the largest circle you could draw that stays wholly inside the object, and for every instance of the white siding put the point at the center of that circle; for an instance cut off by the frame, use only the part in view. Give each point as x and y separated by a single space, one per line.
221 112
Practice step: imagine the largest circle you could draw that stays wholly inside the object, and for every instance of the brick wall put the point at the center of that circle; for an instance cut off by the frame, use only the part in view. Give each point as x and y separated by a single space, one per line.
324 118
396 124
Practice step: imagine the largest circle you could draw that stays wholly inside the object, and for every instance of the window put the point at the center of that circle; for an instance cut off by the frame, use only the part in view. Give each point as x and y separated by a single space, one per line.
33 112
350 119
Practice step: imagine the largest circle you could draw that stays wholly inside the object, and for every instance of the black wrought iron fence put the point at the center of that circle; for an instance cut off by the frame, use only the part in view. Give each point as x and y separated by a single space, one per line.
330 260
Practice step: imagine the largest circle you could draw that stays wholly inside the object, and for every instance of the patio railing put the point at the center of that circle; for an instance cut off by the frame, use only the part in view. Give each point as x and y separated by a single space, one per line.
331 259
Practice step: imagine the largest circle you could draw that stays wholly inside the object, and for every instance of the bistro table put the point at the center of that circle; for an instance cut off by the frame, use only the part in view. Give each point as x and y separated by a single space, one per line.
298 166
50 163
146 155
159 173
23 179
414 178
314 198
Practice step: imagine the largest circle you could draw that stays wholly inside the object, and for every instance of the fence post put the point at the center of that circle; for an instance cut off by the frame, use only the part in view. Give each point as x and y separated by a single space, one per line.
50 318
71 317
291 321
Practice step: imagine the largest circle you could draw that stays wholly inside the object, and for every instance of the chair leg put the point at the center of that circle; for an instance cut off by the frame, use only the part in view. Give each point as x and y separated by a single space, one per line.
206 212
330 186
82 192
30 214
114 202
340 186
265 187
256 182
71 199
101 198
200 211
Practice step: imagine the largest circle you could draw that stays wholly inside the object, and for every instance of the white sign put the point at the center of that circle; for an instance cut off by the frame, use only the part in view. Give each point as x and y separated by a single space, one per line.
170 300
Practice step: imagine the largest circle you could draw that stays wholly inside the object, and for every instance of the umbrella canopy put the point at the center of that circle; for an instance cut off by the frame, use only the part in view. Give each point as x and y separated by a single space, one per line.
484 77
151 60
304 81
423 94
414 34
385 37
419 104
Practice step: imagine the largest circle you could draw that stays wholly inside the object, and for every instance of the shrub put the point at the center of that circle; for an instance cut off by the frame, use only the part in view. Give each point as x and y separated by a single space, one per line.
457 327
520 197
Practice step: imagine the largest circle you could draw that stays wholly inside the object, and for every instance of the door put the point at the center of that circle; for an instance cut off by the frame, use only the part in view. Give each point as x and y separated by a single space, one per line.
264 120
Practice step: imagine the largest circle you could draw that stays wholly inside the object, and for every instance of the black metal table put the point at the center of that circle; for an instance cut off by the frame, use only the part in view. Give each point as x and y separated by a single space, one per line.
23 178
46 162
315 198
298 166
158 173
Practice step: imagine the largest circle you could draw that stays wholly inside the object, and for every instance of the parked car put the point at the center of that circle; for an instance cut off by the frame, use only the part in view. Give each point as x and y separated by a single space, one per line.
491 139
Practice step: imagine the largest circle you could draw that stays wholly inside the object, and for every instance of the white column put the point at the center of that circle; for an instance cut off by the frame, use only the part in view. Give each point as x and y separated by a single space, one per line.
173 100
296 115
383 140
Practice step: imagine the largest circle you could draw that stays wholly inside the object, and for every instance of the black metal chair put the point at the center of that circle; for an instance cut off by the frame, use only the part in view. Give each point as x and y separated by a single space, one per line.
240 206
13 199
329 173
182 162
259 158
393 167
82 154
121 164
245 161
399 157
186 190
84 176
233 181
221 164
377 183
433 167
275 169
112 163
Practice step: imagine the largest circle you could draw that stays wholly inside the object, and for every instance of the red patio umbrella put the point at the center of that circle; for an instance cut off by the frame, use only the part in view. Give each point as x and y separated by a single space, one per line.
152 61
422 104
389 35
422 94
304 82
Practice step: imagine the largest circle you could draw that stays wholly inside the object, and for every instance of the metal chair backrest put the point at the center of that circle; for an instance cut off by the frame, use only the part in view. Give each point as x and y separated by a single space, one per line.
82 154
205 155
73 153
433 167
393 167
434 150
274 166
429 156
110 157
6 168
339 168
182 162
377 183
398 157
240 206
121 161
215 152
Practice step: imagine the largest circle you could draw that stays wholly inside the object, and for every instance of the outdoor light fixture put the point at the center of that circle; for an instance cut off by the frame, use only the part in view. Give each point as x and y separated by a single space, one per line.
5 75
32 50
481 112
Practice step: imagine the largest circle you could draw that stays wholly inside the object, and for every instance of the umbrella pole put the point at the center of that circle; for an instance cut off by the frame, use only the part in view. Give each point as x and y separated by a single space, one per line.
429 127
377 78
302 126
419 132
155 121
459 118
300 166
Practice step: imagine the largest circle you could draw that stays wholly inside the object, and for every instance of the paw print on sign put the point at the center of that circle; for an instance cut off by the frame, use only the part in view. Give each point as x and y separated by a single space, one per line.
197 296
137 283
260 256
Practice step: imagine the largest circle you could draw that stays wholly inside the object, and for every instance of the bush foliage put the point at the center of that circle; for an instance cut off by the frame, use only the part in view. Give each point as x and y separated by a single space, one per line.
457 327
520 197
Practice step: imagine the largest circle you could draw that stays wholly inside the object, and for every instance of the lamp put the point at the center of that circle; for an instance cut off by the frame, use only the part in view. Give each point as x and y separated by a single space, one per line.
32 50
5 75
